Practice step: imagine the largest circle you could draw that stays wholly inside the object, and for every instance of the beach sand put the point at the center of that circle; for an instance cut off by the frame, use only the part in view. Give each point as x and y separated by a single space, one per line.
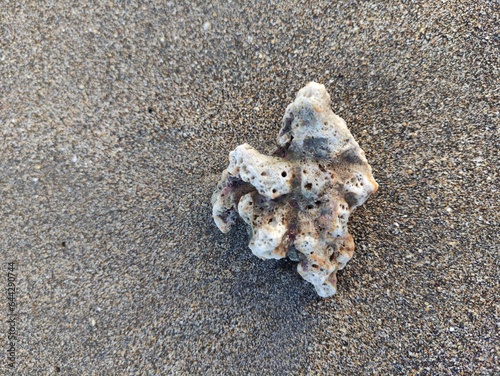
117 119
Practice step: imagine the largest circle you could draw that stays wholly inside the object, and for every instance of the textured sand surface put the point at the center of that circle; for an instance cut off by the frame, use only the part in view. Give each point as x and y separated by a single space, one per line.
116 121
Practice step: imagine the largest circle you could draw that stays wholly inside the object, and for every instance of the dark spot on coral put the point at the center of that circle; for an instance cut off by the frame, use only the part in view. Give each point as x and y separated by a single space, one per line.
334 247
283 174
324 211
351 156
287 124
281 152
293 254
316 147
351 199
308 186
307 115
303 263
233 182
332 279
226 215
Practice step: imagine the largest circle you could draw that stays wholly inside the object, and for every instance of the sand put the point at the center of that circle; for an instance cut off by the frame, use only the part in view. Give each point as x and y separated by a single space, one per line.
116 121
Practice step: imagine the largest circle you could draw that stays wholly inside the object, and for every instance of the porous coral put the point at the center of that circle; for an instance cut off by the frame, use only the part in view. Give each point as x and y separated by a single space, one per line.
297 202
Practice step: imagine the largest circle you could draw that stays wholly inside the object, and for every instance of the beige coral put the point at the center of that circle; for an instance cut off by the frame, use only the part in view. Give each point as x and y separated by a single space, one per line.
297 202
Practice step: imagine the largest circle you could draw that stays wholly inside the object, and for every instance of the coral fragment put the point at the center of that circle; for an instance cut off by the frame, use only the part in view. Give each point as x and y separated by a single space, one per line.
298 201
